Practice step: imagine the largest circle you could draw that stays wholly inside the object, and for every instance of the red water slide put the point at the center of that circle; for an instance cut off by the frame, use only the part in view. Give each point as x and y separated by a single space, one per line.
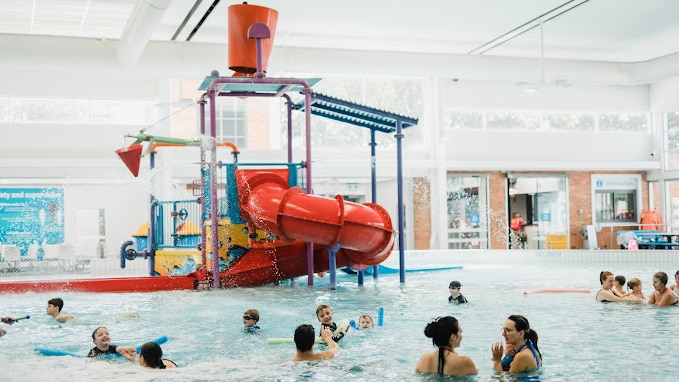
363 231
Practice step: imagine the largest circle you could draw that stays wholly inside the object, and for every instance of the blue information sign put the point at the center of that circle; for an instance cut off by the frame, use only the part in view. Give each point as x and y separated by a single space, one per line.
31 215
545 216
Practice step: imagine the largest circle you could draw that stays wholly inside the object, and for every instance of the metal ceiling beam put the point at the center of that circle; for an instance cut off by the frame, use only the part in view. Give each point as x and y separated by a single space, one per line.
143 21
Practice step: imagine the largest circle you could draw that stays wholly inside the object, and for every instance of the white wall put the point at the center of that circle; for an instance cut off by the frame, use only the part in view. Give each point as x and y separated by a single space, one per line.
81 157
126 206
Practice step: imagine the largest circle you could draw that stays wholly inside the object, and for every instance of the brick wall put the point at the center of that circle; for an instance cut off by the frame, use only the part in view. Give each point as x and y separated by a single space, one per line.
422 212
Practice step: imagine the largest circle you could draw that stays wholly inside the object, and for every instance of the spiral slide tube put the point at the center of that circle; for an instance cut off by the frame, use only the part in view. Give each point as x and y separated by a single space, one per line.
363 231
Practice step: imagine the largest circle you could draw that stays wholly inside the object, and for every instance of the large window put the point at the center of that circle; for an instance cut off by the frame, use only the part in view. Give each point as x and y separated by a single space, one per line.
672 141
231 123
77 111
562 121
615 206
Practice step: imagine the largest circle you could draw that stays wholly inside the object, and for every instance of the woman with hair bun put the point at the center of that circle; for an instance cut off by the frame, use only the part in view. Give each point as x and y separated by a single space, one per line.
518 333
446 334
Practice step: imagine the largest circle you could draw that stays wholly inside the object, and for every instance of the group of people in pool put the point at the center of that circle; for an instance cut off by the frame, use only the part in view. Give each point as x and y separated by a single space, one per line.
519 355
662 296
331 333
150 354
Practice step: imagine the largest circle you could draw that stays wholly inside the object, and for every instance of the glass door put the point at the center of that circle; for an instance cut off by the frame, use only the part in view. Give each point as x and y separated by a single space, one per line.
543 200
467 212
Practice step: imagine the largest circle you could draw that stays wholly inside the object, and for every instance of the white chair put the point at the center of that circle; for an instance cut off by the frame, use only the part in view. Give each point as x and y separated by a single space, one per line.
67 256
3 264
52 257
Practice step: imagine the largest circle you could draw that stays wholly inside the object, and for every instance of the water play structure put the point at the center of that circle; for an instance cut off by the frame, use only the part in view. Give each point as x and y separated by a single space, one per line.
254 223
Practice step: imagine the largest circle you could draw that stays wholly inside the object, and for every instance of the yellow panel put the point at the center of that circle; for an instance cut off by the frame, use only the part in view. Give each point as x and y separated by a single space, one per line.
175 262
557 241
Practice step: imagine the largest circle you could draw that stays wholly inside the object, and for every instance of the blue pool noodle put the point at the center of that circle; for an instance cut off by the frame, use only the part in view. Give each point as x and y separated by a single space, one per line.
380 316
55 352
354 325
159 341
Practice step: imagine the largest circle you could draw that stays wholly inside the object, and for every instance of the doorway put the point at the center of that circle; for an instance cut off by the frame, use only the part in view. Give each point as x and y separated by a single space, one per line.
542 201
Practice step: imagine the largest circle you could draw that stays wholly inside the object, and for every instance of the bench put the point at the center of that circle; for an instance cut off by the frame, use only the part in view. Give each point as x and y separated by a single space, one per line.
648 239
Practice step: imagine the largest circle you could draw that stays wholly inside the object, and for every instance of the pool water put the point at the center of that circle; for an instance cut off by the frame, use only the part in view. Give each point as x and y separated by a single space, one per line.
580 339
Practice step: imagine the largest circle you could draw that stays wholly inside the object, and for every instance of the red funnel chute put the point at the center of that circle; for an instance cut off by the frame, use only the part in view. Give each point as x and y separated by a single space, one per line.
131 156
242 50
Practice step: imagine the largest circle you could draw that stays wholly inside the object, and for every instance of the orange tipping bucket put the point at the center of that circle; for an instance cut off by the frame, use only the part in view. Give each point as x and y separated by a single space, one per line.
131 156
243 50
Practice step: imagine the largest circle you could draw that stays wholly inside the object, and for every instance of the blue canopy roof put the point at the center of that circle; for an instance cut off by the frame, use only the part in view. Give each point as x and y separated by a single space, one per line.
356 114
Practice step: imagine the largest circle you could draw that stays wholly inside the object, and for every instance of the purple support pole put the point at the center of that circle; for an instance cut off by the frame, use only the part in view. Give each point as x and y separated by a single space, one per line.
399 182
307 115
213 191
203 236
288 102
150 234
332 258
373 181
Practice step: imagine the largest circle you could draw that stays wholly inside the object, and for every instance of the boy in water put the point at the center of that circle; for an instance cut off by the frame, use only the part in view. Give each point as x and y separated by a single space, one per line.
455 295
250 319
54 307
618 286
324 315
365 322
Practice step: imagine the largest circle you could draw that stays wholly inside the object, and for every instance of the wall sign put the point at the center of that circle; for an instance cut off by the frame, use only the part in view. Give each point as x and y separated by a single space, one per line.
31 215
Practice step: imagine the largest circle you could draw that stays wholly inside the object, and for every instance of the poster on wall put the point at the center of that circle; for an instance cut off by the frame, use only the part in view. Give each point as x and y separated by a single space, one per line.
31 216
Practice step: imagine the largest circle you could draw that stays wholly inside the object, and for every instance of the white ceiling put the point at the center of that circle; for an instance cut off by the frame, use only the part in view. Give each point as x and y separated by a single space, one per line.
598 30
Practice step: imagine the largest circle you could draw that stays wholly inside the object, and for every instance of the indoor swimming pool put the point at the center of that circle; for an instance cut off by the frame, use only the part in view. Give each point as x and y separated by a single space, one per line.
580 339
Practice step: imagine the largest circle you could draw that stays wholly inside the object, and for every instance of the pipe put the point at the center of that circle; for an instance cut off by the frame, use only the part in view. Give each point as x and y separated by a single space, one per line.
141 137
234 148
123 252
